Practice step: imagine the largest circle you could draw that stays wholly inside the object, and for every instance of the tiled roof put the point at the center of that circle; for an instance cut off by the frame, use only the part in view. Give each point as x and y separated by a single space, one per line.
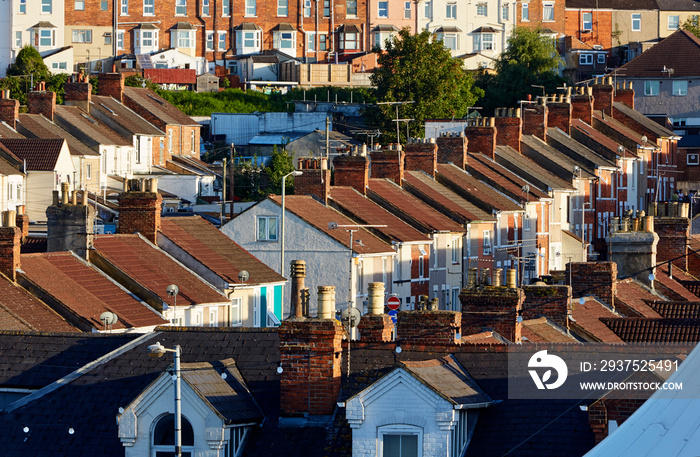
678 5
671 287
366 211
622 129
215 250
680 51
37 126
484 338
633 295
676 309
19 310
607 143
500 177
416 211
157 106
170 75
478 192
195 163
576 151
86 291
529 169
587 321
7 169
318 215
542 330
658 130
40 154
435 194
7 132
123 116
612 4
543 154
90 126
643 330
155 270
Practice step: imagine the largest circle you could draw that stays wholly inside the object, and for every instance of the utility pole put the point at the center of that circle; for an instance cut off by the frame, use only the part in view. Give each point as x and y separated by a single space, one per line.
223 193
397 120
233 177
328 143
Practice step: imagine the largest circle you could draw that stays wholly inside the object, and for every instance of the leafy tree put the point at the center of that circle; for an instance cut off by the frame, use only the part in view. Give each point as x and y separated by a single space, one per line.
531 59
137 81
280 165
692 25
419 68
27 62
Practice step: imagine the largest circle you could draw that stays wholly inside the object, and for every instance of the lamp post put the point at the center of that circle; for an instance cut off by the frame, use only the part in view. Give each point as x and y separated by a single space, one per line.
158 350
284 192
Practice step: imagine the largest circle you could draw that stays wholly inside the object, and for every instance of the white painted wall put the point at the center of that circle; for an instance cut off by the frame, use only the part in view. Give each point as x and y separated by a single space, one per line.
240 128
186 186
12 192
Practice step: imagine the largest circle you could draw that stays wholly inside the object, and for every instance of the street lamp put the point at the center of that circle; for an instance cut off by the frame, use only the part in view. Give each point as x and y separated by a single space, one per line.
284 192
158 350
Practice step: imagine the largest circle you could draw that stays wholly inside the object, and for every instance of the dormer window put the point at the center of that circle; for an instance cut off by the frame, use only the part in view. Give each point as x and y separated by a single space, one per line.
182 35
44 35
145 39
248 38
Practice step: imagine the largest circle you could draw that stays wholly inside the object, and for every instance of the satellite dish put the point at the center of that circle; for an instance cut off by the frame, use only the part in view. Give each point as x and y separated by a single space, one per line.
243 275
108 318
582 301
332 225
350 317
644 139
172 290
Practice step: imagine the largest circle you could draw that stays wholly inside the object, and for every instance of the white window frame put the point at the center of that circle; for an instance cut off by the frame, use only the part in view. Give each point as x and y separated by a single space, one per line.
482 9
310 41
351 8
352 38
548 10
407 10
226 8
120 39
79 5
526 222
484 42
636 22
192 140
81 36
486 242
284 40
651 88
213 317
180 7
45 34
282 8
210 41
456 250
680 88
421 266
403 430
183 39
205 8
673 22
586 22
428 10
18 39
505 12
251 8
196 317
585 59
221 40
383 9
236 313
525 12
22 6
46 6
449 40
451 10
263 223
149 7
307 8
124 7
601 58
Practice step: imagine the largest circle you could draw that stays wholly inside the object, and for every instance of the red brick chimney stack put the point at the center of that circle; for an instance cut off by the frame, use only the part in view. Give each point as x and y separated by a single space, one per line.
78 93
582 104
509 127
550 301
674 233
140 208
10 237
624 93
452 148
42 102
535 119
111 85
559 112
375 326
429 325
388 163
481 134
593 278
9 109
421 155
22 221
352 170
315 179
603 93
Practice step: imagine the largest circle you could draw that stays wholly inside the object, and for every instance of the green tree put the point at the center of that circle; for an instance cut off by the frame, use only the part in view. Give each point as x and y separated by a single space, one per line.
531 59
280 165
692 25
27 62
419 68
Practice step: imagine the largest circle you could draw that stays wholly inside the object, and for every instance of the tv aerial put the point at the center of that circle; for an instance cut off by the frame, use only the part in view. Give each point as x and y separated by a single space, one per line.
108 319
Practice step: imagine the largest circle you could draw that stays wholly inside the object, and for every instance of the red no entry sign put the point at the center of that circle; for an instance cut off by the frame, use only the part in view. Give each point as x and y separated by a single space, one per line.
393 303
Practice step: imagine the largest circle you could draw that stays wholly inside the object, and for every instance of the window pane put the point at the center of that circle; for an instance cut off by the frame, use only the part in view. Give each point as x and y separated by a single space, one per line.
273 228
262 228
409 445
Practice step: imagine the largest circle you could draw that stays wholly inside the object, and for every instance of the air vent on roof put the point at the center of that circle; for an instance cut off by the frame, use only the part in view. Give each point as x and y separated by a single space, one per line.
155 99
105 107
88 118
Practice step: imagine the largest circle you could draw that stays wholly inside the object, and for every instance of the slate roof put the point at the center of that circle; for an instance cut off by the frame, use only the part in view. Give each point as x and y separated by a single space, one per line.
631 294
678 5
576 151
476 191
20 310
318 215
544 154
215 250
676 309
542 330
40 154
671 288
643 330
89 126
7 169
612 4
608 145
7 132
366 211
123 116
37 126
530 170
437 195
412 209
658 130
623 130
158 106
155 270
500 177
587 321
86 291
680 51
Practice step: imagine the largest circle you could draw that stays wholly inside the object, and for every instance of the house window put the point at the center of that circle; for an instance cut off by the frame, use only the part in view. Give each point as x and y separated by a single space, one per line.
636 22
192 142
79 5
483 42
196 318
180 7
601 58
18 39
310 42
525 12
210 41
680 87
693 159
82 36
213 317
120 39
250 7
548 12
22 6
505 12
282 8
351 8
183 39
104 4
427 12
526 222
170 141
673 22
148 7
421 266
164 436
307 8
487 242
456 251
284 40
451 11
226 8
482 9
322 42
46 6
59 66
383 9
651 88
267 228
585 59
407 10
250 41
348 41
205 7
124 11
236 314
380 39
400 441
222 41
44 37
587 22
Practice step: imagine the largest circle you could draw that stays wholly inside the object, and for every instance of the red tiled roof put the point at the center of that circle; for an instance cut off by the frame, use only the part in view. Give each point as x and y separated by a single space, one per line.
673 286
622 129
587 321
40 154
631 294
215 250
170 75
600 138
680 51
123 116
501 176
318 215
86 291
158 106
484 338
541 330
90 126
155 270
416 209
363 209
477 189
677 309
643 330
19 310
40 127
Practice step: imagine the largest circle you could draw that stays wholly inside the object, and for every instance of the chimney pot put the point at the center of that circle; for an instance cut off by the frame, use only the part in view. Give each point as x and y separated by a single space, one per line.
511 278
375 291
64 193
326 300
496 277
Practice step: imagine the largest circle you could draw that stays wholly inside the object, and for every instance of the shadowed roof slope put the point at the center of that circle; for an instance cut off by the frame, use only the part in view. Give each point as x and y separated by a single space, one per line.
37 126
40 154
679 51
158 106
479 192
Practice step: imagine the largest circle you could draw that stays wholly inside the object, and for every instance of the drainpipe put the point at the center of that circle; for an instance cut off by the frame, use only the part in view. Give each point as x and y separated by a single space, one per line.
316 25
301 27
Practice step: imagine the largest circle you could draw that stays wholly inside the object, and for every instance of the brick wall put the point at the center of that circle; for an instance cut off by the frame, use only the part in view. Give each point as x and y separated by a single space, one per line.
376 327
452 148
352 171
70 228
310 357
494 308
593 278
625 94
582 105
421 155
549 301
41 102
111 85
603 96
139 212
9 251
509 128
535 120
482 137
9 111
559 114
314 182
387 163
673 240
22 221
428 327
78 94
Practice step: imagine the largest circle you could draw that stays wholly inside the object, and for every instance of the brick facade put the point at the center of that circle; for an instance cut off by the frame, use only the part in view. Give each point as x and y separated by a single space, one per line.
598 279
22 221
452 148
421 155
78 94
387 163
582 105
139 212
603 96
310 357
428 327
535 120
674 233
9 111
624 93
42 102
314 180
509 128
559 114
550 301
352 171
111 85
376 327
482 137
495 308
9 251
